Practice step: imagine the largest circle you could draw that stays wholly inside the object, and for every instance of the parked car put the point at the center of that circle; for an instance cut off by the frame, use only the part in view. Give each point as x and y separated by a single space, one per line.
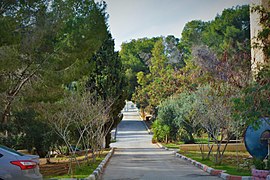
17 166
74 148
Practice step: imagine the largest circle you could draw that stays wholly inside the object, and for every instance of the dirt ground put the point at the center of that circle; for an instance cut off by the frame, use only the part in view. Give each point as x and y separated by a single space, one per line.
59 166
54 169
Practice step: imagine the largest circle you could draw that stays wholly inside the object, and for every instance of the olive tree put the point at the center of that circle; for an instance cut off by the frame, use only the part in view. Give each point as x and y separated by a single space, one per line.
214 114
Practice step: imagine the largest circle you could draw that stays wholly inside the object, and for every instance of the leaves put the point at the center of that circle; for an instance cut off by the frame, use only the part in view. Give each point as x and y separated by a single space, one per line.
43 46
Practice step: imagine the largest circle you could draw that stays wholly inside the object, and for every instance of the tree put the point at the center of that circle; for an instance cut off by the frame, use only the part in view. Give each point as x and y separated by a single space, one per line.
163 79
254 102
44 46
30 131
107 82
213 107
79 119
172 52
178 114
190 36
166 122
135 57
161 132
229 32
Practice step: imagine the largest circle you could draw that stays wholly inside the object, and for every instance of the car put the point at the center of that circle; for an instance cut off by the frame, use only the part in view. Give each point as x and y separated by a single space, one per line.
17 166
74 148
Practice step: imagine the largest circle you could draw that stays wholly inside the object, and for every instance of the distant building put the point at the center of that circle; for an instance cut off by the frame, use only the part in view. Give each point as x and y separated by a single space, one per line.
257 56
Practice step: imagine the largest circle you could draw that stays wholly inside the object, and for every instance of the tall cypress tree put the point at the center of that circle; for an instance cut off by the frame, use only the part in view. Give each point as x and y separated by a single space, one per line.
107 82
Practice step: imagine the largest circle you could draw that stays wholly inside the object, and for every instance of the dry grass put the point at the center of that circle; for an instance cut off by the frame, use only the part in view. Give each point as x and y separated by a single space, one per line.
59 166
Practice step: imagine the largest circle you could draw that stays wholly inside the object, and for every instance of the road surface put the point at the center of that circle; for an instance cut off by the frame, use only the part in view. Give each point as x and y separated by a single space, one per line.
137 158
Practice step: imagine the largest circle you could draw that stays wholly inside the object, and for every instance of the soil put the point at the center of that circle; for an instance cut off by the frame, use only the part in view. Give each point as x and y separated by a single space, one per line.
54 169
59 166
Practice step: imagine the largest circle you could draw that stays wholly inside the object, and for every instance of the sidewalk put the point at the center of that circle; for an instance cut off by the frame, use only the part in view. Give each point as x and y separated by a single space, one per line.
137 158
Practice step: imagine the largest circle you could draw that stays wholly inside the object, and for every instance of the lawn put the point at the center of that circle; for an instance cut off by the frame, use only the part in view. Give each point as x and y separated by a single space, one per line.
59 167
175 145
85 169
172 145
229 162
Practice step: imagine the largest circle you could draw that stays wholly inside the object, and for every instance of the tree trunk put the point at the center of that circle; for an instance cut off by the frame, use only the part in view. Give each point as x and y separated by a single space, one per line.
209 151
107 140
143 113
191 138
201 146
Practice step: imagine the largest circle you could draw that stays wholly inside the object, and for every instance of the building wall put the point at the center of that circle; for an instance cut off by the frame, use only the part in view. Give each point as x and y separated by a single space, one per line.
257 56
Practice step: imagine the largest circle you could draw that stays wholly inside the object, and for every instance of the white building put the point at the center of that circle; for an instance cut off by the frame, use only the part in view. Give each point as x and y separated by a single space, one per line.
257 56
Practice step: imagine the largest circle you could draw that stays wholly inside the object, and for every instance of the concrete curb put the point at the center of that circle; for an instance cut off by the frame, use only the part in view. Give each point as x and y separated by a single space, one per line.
97 172
211 171
146 127
167 149
162 147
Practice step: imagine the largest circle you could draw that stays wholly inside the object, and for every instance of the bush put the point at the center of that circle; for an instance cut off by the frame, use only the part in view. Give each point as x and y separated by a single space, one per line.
261 165
161 132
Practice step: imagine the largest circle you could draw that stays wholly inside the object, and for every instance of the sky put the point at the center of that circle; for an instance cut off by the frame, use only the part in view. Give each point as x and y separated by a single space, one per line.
133 19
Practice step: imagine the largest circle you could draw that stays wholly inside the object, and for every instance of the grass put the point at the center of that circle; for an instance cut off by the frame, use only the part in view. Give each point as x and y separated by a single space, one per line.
85 169
113 141
58 169
201 140
172 145
229 162
175 145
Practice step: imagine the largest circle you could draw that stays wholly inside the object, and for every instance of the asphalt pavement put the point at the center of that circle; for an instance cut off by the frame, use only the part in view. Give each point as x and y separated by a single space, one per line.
137 158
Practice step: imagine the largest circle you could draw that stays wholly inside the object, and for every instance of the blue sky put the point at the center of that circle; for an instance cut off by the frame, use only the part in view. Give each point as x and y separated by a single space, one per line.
132 19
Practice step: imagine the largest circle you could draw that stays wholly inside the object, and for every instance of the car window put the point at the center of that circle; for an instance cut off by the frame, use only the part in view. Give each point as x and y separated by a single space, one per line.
11 150
1 155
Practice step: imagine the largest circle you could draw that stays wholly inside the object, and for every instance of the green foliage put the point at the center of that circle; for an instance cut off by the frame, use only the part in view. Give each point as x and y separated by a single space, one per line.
261 165
264 34
230 165
28 131
163 77
81 172
166 117
161 132
46 52
107 81
227 35
44 46
178 114
224 59
254 102
229 30
135 57
173 52
191 35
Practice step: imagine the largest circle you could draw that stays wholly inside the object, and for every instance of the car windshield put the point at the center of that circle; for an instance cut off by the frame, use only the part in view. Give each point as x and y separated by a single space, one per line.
11 150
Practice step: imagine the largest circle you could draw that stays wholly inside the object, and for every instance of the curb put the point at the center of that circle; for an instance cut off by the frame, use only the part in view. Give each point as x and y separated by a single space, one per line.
146 127
162 147
211 171
167 149
205 168
97 172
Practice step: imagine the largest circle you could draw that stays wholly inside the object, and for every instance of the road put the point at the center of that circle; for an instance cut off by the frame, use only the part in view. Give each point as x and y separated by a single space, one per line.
137 158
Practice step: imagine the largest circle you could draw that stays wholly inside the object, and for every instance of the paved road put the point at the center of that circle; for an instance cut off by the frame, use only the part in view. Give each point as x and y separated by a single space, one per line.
137 158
